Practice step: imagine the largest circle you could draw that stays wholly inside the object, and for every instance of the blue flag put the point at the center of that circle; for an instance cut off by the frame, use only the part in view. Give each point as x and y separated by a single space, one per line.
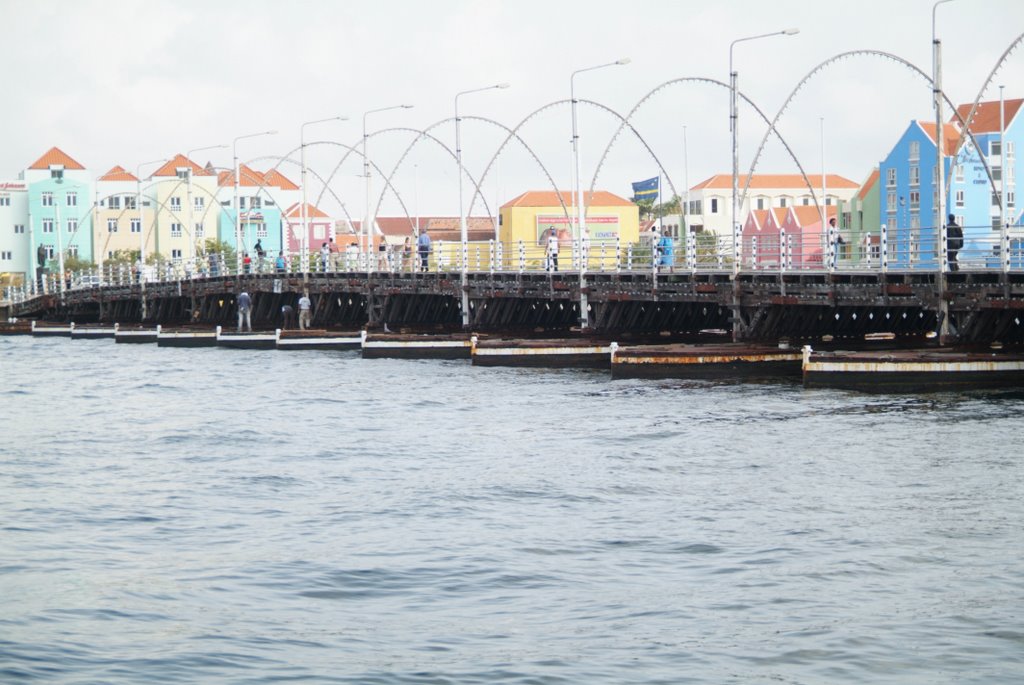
646 190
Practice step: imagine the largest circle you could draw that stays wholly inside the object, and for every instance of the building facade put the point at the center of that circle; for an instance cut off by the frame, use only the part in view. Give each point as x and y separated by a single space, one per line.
59 208
710 202
183 196
15 264
116 221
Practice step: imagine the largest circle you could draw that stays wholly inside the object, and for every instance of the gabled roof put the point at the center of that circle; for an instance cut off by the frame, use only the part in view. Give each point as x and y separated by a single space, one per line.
760 216
312 212
118 173
986 117
806 215
179 161
276 178
56 156
795 181
869 184
549 198
950 132
251 178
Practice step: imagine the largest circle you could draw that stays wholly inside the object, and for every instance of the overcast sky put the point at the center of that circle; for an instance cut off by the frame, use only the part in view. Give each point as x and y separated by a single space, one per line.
119 82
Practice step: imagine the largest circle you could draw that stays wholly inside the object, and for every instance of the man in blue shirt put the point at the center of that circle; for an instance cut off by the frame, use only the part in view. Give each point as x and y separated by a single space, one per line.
423 244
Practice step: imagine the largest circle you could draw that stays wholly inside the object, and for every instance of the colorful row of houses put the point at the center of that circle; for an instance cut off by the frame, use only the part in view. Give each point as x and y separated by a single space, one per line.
57 205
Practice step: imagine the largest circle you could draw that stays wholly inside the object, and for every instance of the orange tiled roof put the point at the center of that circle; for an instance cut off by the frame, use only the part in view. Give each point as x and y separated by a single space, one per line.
807 215
56 156
869 184
246 177
549 198
118 173
276 178
986 117
312 211
177 162
950 132
776 181
759 216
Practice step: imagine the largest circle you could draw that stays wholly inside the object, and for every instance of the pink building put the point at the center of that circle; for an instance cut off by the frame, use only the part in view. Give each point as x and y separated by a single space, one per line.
319 228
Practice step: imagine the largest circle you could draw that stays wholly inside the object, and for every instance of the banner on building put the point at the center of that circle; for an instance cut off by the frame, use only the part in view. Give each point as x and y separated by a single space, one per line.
604 227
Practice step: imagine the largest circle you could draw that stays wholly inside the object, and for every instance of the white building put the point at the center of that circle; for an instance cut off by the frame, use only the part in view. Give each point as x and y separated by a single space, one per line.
14 237
710 202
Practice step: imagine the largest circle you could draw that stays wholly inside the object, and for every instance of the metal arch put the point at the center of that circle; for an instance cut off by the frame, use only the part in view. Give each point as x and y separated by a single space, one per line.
326 188
803 81
420 134
964 123
625 122
514 133
554 186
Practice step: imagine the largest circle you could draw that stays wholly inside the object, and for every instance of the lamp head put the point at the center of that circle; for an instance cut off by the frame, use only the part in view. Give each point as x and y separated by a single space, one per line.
506 85
624 60
407 106
790 32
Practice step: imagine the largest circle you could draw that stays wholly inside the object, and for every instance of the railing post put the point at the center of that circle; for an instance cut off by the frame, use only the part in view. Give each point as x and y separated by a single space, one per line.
1004 241
753 252
883 240
629 257
500 259
522 257
490 254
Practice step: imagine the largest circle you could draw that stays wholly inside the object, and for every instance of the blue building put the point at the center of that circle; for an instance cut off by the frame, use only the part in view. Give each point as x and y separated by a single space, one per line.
59 208
909 195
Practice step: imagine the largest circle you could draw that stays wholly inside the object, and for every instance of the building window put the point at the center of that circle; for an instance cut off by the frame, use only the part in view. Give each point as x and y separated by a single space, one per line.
199 230
261 230
114 202
5 200
319 233
807 201
72 199
50 252
176 255
959 173
175 204
19 228
994 148
47 199
1009 149
890 201
760 203
255 204
960 199
890 177
175 230
136 226
47 225
915 199
241 202
782 202
72 226
892 222
182 174
915 176
915 151
915 222
997 173
996 200
56 172
714 205
111 225
72 250
130 201
6 255
828 201
960 220
198 203
1009 199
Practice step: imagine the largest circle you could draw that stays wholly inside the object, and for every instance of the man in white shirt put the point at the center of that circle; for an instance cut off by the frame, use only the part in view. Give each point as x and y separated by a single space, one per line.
305 307
552 249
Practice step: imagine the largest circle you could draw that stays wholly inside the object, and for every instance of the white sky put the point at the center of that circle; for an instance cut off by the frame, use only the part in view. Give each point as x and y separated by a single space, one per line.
123 82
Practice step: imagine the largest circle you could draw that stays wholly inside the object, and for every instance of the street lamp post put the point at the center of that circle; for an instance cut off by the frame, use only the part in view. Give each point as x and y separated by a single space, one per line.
463 233
580 213
580 210
733 125
238 212
142 232
304 259
368 217
188 199
940 171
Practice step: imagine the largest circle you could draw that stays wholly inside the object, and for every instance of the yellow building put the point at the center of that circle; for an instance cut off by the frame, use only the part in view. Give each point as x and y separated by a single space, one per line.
527 220
184 197
116 224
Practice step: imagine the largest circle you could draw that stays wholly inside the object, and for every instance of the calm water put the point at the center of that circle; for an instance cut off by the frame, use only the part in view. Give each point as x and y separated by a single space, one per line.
222 516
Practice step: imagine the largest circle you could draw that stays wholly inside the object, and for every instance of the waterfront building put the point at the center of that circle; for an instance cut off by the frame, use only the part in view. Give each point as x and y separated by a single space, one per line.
710 201
860 222
59 207
319 228
116 220
14 236
527 217
260 199
762 238
183 196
